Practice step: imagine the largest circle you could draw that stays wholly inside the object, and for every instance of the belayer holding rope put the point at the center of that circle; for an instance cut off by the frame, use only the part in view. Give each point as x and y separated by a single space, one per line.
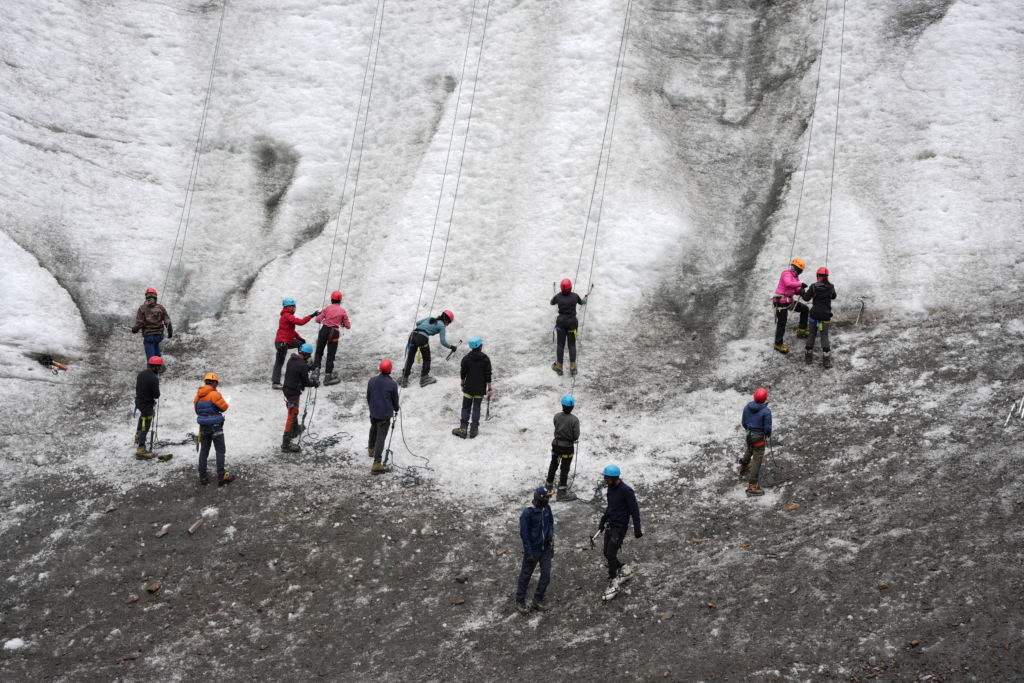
419 343
476 381
331 319
151 318
563 447
566 324
287 337
621 507
820 294
296 379
382 396
784 301
210 407
147 391
757 423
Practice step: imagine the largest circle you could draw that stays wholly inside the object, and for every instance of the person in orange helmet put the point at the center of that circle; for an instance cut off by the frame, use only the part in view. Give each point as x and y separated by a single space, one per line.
210 407
785 301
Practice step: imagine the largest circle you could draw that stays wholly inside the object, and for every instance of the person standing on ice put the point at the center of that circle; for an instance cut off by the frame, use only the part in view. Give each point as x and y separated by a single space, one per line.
147 391
820 294
287 337
296 379
382 396
563 447
151 318
615 522
784 301
476 379
331 319
210 407
537 529
566 324
757 421
419 341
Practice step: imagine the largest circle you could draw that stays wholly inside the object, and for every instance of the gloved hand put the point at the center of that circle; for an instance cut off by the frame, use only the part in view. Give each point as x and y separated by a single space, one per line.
170 331
529 558
490 392
639 534
803 286
316 383
455 348
600 527
135 330
314 314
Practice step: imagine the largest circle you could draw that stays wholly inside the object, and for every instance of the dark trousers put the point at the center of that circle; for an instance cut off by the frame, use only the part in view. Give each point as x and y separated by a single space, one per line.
825 345
781 314
211 434
291 427
378 436
566 460
754 455
145 423
527 571
328 337
282 353
564 335
419 342
152 344
613 537
471 404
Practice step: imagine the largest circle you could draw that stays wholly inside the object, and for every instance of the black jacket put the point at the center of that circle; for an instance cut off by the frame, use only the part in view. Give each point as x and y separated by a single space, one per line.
621 506
382 396
147 389
476 372
296 375
820 295
567 302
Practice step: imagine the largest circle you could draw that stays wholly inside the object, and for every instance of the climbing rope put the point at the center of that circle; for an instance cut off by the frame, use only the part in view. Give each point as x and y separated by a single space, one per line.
835 136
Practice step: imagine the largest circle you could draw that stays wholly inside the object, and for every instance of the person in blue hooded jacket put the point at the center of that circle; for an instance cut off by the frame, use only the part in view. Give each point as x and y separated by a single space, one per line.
419 341
537 529
757 421
210 407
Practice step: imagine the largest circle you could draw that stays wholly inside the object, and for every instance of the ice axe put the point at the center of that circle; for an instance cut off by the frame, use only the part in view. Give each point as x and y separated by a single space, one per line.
597 533
455 347
488 415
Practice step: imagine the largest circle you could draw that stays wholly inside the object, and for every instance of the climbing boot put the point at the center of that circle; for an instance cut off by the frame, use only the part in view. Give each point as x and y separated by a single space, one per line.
277 386
379 468
331 379
136 440
754 490
549 485
826 360
203 479
404 381
557 367
808 356
370 451
781 348
473 433
459 432
314 373
523 607
142 454
744 470
226 479
539 605
801 332
564 494
288 447
426 379
572 369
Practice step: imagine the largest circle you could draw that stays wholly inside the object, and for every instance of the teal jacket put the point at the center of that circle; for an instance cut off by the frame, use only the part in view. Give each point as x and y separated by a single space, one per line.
430 329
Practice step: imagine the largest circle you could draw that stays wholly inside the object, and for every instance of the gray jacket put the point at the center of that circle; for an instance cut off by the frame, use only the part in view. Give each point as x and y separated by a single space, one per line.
567 430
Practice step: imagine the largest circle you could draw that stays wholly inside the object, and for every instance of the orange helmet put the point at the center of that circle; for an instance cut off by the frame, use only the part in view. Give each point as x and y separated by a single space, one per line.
798 262
212 376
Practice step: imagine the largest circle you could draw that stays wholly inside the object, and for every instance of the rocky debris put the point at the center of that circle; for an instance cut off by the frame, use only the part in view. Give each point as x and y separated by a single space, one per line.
458 602
192 529
162 533
130 656
130 599
791 506
500 551
154 588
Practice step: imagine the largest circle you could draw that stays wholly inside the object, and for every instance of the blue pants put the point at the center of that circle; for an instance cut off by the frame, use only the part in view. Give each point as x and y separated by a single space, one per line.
471 403
152 344
214 434
527 571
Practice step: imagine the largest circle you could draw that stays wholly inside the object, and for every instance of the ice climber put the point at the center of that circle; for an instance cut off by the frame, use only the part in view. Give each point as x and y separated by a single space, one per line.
784 301
537 529
382 395
563 447
820 294
615 522
757 421
151 319
566 324
147 391
419 341
332 318
476 381
296 379
210 407
287 337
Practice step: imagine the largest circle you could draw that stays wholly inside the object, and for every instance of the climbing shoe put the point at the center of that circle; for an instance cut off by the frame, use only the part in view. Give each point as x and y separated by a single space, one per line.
539 605
426 379
564 494
226 479
781 348
203 479
744 469
557 367
379 468
522 607
473 433
403 381
142 454
331 379
288 447
801 332
826 360
459 432
277 386
754 490
572 369
808 356
136 439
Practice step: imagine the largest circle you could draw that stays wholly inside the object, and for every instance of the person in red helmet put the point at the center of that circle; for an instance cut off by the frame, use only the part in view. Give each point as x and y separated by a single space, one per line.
382 396
820 294
419 341
785 301
331 319
147 392
566 324
757 421
151 318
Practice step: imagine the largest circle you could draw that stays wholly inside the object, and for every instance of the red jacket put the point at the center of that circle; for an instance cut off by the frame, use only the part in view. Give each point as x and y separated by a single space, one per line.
286 327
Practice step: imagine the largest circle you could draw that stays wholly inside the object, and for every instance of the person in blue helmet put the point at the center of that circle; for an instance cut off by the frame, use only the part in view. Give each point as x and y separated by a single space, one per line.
287 337
563 447
476 379
419 341
615 522
296 379
537 529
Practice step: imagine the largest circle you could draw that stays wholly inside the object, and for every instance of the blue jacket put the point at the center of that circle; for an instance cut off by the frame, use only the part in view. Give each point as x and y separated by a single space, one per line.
621 506
757 417
537 528
430 329
382 395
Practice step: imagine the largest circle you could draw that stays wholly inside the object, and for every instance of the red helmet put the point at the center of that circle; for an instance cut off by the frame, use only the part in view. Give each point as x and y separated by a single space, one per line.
449 315
823 271
761 395
335 295
385 366
150 291
566 285
156 360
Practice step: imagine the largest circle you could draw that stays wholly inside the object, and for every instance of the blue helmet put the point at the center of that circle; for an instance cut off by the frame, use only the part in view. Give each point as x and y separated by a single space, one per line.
305 348
611 471
568 400
476 343
288 302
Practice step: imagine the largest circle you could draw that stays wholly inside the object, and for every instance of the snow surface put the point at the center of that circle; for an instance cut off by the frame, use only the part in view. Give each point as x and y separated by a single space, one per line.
14 644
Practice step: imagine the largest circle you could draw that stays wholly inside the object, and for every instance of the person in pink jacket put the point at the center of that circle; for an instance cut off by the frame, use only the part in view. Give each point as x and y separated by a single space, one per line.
331 320
785 301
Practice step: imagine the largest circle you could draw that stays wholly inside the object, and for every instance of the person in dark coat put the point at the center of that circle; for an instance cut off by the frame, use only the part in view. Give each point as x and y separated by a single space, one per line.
382 396
147 391
537 529
757 421
151 319
615 522
820 294
563 447
296 379
566 324
210 406
476 381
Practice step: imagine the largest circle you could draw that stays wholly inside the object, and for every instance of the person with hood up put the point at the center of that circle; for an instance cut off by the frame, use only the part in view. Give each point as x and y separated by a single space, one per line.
476 379
331 319
210 407
287 337
820 294
563 447
419 341
296 379
757 421
566 324
151 318
147 391
537 529
382 397
784 301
